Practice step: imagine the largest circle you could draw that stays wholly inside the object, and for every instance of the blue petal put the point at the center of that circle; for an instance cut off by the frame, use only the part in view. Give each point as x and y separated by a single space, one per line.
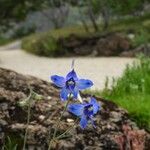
75 92
76 109
64 94
95 104
84 84
83 122
72 74
58 80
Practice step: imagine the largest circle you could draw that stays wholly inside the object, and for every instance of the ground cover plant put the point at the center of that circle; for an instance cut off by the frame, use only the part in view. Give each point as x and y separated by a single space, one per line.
132 92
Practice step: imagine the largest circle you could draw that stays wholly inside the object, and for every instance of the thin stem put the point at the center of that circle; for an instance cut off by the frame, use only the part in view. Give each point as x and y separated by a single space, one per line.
72 65
28 119
68 130
50 144
57 125
60 118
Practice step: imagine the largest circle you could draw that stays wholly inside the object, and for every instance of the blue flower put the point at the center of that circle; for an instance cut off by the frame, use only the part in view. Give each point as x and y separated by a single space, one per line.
85 111
71 84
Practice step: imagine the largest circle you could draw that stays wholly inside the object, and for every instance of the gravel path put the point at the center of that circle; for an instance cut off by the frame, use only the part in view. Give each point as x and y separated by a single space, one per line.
96 69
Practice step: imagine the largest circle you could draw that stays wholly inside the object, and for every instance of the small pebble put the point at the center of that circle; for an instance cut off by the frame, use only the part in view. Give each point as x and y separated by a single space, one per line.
70 120
41 117
49 97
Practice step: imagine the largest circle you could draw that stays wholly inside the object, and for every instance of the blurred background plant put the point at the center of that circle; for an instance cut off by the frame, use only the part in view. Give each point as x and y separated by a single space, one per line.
20 18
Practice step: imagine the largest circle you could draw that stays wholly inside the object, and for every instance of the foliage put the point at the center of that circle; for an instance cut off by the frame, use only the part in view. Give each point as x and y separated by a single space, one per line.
142 37
132 92
15 10
43 46
126 7
10 145
59 12
102 8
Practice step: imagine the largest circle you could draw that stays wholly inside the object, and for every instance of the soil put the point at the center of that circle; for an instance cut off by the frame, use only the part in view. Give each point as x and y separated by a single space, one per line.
114 129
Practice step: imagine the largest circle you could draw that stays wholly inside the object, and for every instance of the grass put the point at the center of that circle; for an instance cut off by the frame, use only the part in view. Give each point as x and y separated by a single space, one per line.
47 43
10 144
132 92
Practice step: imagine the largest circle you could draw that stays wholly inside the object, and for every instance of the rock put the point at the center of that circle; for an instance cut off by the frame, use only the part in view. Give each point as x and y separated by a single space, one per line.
143 49
95 45
83 50
70 120
131 36
112 45
110 121
3 122
75 41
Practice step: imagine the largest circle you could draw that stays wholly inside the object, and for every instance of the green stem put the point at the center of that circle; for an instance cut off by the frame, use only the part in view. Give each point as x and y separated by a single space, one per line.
57 125
28 119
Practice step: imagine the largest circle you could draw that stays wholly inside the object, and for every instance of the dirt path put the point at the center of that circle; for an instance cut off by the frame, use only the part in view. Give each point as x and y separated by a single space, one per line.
96 69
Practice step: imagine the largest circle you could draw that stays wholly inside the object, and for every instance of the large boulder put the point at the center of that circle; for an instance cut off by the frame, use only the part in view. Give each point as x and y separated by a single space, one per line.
112 45
79 45
114 129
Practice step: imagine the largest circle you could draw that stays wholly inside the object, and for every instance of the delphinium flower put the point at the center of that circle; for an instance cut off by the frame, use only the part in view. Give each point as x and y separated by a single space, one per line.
85 111
71 84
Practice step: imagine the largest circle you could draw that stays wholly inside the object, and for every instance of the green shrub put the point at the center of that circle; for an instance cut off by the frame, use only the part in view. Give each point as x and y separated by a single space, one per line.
141 37
42 45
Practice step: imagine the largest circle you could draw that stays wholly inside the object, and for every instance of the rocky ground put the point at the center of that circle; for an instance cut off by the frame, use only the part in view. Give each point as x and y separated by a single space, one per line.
114 129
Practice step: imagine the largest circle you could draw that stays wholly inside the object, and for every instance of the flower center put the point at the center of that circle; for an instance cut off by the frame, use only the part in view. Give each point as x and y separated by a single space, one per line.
70 84
88 110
